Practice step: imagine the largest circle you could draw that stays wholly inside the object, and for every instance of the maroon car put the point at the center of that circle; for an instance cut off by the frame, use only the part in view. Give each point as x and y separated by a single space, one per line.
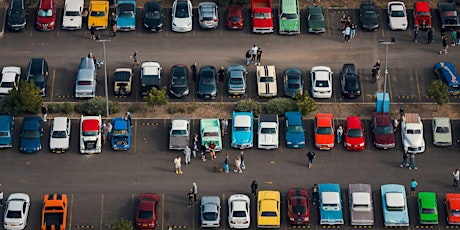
298 206
147 211
383 131
235 18
46 15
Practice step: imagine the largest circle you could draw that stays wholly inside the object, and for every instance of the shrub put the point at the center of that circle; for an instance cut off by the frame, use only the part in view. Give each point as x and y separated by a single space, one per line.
67 108
97 106
248 105
54 108
134 108
192 108
176 108
305 103
280 106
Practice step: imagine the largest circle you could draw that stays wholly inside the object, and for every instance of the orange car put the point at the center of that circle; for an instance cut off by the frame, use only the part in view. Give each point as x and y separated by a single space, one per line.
54 212
324 131
453 208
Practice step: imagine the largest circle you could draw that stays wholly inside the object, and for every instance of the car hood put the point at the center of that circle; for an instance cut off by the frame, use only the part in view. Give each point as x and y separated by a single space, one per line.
267 87
295 138
398 22
329 215
152 22
45 20
362 217
384 139
59 143
179 89
354 140
316 24
241 137
442 137
324 138
16 19
5 140
207 89
71 21
30 143
414 140
182 22
126 21
268 138
395 217
262 22
369 22
289 25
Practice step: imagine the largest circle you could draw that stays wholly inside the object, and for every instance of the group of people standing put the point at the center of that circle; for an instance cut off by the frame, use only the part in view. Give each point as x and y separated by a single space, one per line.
348 29
253 55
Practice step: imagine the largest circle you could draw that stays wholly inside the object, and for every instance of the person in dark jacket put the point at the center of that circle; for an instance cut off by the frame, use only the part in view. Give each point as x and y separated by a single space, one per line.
254 187
193 67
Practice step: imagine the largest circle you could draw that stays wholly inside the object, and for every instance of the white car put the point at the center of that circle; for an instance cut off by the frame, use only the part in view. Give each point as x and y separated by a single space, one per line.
60 134
71 18
90 134
16 211
442 131
266 81
412 133
10 79
238 211
397 15
268 132
321 82
182 14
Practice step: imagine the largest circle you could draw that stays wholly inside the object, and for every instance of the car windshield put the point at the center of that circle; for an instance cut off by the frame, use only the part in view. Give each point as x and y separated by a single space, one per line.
97 13
361 207
236 81
454 212
59 134
13 214
262 15
293 85
177 132
331 206
354 133
429 210
84 83
182 10
384 130
442 130
120 132
38 78
209 216
397 14
242 129
239 214
144 214
321 83
235 19
207 78
7 84
4 134
268 130
179 81
267 79
90 133
316 17
351 83
126 14
414 131
45 13
294 129
31 134
211 134
153 15
324 130
288 16
395 208
370 14
72 13
273 214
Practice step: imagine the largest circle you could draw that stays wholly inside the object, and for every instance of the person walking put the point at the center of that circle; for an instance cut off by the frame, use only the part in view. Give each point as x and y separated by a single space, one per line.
315 194
224 126
203 152
84 16
190 198
311 156
129 118
226 169
105 132
458 37
238 165
254 186
44 111
195 191
248 57
413 186
259 56
134 57
456 175
113 18
243 165
445 46
416 31
412 161
93 32
375 74
404 161
187 154
194 67
339 133
178 165
254 49
221 74
114 30
429 37
109 130
454 37
346 33
352 30
377 66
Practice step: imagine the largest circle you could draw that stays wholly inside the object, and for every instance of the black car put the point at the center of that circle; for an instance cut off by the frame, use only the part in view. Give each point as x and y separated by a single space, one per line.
17 15
179 81
38 73
349 81
152 16
207 82
368 16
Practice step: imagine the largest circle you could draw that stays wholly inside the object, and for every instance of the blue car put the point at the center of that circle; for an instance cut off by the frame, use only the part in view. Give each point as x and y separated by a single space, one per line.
121 134
330 204
295 135
242 130
447 73
126 15
31 135
394 204
293 82
6 131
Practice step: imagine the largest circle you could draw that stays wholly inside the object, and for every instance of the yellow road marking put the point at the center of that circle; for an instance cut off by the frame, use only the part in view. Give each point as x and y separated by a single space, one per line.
102 209
389 86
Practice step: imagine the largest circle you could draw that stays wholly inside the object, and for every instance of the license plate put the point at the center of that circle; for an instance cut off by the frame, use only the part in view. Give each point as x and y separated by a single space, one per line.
144 225
235 27
236 93
115 148
295 146
323 148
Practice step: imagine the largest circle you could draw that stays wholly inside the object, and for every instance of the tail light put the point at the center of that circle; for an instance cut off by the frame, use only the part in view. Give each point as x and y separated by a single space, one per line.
215 20
201 20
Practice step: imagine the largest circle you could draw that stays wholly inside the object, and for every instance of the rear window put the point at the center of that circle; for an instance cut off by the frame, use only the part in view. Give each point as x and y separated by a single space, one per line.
84 83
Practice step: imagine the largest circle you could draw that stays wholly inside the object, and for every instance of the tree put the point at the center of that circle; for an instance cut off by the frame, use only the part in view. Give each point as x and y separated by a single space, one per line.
122 224
439 91
156 97
305 104
24 99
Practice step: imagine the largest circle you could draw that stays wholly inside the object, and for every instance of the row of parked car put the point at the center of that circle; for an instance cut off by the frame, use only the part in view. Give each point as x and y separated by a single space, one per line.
329 199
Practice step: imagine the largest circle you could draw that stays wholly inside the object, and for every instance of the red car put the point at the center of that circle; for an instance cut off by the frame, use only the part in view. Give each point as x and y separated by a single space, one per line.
46 15
354 134
422 14
147 211
453 208
298 207
383 132
235 18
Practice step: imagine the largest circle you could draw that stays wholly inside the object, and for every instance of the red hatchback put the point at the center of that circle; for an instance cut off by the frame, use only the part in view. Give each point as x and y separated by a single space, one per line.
46 15
298 207
354 134
147 211
235 18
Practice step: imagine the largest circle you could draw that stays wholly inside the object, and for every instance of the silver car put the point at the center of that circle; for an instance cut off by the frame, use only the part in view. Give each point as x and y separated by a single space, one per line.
361 204
442 131
208 16
210 212
85 85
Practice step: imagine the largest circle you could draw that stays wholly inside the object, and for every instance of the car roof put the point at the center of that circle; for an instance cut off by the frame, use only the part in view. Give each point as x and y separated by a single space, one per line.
32 122
60 123
179 123
442 121
324 120
353 122
239 205
17 4
150 68
8 77
361 198
330 197
382 118
315 9
90 125
266 71
242 120
289 6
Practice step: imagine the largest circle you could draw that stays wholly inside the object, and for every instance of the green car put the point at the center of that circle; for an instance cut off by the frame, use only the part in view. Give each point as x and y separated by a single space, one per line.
427 208
316 21
289 17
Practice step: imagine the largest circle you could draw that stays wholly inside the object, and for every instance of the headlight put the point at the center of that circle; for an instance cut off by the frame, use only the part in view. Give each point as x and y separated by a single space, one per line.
146 25
348 144
174 24
160 25
214 94
186 92
302 142
289 143
52 24
190 23
362 144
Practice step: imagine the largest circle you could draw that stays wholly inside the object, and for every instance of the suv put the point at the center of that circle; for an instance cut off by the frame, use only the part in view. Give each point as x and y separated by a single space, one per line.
86 83
60 134
46 15
17 15
38 73
123 80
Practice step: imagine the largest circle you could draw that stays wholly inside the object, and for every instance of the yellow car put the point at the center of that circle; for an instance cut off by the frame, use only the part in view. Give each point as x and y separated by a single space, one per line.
98 14
268 209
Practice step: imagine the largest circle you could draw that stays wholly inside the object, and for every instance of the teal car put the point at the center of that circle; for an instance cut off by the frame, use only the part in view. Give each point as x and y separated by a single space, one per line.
289 17
210 132
316 21
427 208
